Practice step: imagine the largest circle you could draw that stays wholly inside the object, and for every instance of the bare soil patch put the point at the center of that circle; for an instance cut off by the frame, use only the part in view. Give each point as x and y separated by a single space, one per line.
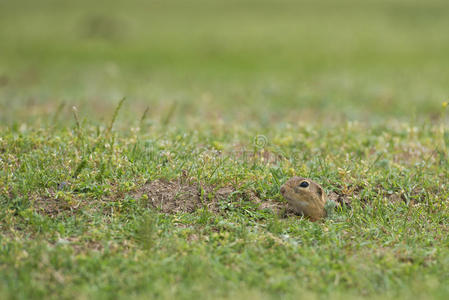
168 196
53 204
340 199
176 196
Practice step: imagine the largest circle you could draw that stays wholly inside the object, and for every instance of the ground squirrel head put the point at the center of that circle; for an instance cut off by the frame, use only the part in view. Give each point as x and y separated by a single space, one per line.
305 197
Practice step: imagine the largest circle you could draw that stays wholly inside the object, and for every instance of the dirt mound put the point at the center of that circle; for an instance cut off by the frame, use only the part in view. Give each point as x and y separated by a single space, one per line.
342 200
176 196
51 203
166 196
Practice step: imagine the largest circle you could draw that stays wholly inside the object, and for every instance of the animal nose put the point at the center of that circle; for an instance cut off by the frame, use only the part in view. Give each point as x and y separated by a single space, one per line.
282 189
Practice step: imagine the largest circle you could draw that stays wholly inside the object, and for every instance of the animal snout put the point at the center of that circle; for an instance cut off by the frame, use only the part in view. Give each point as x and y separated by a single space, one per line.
282 189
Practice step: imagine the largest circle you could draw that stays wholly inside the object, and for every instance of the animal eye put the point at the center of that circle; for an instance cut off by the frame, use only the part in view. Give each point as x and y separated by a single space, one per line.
304 184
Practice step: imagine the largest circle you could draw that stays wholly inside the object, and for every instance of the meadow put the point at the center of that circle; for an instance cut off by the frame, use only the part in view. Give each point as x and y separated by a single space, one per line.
143 145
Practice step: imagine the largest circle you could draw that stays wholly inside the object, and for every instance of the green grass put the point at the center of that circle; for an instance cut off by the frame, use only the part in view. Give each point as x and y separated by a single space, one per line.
348 93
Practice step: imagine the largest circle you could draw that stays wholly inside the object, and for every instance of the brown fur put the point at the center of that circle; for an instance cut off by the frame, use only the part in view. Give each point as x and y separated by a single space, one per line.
306 201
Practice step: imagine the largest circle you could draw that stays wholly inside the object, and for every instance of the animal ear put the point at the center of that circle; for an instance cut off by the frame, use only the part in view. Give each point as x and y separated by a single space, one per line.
320 191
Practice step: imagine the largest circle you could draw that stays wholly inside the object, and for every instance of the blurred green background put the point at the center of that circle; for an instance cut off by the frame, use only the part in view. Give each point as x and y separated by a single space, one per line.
215 77
241 61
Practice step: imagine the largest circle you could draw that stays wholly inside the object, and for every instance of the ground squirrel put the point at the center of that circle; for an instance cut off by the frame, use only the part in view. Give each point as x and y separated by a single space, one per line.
305 197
